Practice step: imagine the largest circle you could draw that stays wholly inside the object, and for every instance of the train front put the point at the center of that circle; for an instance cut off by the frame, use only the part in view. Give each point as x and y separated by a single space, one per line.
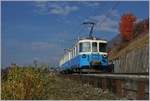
93 54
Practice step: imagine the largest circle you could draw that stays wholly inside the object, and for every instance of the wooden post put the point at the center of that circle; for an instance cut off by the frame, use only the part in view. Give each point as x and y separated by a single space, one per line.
124 93
119 90
104 84
141 90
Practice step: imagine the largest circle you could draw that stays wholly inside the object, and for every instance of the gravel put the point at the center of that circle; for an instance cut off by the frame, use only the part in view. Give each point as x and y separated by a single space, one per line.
66 89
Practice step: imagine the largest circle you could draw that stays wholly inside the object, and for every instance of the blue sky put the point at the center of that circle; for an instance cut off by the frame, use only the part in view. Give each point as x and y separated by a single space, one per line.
41 30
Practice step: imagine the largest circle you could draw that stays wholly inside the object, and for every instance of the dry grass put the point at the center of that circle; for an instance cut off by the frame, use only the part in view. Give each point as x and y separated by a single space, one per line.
124 48
34 84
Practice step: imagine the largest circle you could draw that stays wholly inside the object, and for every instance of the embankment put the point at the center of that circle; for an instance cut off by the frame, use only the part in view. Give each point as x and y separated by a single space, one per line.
134 58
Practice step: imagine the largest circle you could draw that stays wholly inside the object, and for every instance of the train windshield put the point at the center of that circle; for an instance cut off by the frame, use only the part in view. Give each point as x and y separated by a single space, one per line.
102 47
84 47
94 47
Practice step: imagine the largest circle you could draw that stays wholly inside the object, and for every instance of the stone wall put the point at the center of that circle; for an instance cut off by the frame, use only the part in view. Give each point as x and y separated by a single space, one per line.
135 61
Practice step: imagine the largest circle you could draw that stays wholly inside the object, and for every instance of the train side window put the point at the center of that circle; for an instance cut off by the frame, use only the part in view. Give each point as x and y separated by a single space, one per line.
84 47
76 50
94 47
72 53
80 47
69 55
102 47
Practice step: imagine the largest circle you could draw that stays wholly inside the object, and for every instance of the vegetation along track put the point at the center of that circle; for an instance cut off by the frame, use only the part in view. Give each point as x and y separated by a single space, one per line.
127 85
29 83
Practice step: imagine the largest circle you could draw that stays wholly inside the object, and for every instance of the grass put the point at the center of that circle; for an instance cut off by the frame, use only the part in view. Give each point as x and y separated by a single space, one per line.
37 84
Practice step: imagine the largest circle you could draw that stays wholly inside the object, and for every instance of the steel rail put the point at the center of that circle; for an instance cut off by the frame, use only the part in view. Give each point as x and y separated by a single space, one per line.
119 76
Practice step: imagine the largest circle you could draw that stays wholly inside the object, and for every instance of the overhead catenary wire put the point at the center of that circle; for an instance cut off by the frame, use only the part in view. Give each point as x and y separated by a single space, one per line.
109 12
106 15
92 13
88 18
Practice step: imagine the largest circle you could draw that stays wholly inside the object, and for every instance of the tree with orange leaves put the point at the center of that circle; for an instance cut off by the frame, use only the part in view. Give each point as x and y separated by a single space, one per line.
127 26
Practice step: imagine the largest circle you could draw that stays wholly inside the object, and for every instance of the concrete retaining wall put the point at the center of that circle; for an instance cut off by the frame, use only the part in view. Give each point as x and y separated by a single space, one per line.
135 61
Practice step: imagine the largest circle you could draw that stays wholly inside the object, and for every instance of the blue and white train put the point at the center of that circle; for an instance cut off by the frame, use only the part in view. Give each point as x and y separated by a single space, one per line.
87 53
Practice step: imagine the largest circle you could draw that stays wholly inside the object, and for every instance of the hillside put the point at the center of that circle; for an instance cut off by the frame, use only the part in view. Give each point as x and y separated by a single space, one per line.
124 48
115 40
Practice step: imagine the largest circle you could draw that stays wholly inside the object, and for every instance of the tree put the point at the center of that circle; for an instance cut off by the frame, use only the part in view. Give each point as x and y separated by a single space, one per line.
127 26
141 27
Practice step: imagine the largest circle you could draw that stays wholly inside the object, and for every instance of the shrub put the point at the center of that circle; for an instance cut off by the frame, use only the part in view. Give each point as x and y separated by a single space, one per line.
25 83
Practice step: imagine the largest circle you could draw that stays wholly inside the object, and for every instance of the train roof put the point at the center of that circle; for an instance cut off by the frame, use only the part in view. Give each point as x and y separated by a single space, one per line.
91 38
88 39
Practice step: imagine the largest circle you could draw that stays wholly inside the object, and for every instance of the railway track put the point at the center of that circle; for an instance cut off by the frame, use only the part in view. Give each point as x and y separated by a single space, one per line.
128 85
99 72
119 75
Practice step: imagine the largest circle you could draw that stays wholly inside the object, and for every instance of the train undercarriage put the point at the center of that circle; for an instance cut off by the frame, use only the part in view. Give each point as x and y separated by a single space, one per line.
91 69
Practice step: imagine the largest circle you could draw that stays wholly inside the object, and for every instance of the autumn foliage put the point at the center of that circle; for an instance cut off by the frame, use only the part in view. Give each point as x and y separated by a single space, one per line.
26 83
127 26
141 27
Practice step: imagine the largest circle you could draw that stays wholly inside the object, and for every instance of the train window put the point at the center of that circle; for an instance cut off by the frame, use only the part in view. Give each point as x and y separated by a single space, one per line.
76 50
71 54
94 47
84 47
102 47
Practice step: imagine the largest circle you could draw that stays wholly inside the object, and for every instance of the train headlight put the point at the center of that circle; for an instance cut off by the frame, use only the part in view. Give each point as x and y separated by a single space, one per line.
104 55
83 56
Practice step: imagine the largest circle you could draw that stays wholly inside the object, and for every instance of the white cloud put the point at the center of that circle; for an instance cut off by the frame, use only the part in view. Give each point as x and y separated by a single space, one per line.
93 4
114 13
63 10
41 3
55 8
107 24
41 7
90 3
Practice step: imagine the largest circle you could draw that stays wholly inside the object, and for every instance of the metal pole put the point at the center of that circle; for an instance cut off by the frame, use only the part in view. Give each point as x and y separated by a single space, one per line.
92 27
